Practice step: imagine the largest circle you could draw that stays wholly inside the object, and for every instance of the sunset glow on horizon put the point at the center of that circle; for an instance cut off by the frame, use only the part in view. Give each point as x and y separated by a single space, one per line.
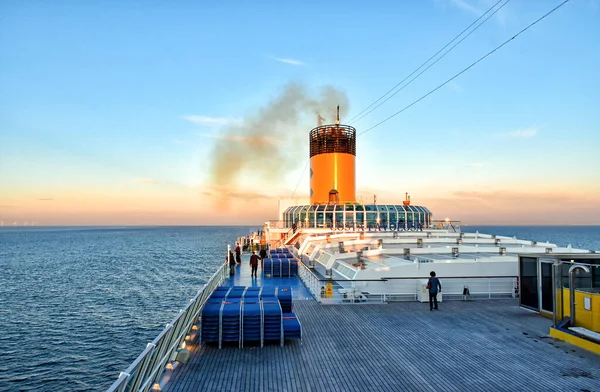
164 120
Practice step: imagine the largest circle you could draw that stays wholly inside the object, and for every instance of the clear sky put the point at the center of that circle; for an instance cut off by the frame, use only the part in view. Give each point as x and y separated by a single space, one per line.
115 112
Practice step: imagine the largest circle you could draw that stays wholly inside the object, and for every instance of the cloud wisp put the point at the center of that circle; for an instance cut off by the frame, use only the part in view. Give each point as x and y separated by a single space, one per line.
478 7
523 133
463 5
287 60
206 120
456 87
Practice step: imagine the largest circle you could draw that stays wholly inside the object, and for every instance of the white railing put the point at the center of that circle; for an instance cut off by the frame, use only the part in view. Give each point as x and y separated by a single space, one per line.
310 280
276 224
147 368
405 289
286 237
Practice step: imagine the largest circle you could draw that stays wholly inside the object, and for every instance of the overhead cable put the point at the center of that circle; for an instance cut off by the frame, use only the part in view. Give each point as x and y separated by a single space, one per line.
360 115
301 175
464 70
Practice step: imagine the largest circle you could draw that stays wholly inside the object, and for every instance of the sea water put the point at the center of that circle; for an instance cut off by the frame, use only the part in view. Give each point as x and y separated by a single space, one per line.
78 305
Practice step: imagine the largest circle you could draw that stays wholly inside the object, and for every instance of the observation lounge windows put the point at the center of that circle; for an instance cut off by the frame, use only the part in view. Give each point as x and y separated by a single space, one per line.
303 212
311 216
410 217
295 215
393 218
349 216
401 217
329 219
371 222
339 218
360 215
320 218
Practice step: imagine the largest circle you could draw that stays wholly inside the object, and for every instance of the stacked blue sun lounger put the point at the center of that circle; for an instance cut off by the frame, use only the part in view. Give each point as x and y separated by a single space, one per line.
280 263
241 314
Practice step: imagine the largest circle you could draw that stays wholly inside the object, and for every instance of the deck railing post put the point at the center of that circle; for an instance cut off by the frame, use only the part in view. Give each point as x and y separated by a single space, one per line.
572 271
513 288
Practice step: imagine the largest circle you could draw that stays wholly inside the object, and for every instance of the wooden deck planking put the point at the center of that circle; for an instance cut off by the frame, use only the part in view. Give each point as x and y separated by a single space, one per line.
479 345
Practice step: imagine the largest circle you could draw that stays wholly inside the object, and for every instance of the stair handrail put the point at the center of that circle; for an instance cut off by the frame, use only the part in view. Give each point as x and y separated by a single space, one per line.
286 236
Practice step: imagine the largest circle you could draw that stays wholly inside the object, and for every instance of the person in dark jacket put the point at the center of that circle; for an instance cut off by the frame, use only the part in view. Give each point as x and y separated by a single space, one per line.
433 284
231 260
263 256
254 263
238 253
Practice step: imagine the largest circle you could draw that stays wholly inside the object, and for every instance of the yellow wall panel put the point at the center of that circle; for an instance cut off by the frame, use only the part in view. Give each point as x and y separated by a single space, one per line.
588 319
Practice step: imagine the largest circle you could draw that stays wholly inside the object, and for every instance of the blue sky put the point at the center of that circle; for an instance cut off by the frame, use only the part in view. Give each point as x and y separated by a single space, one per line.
96 100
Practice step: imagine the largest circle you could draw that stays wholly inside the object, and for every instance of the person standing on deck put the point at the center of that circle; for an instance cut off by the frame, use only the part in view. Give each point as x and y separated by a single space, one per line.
238 253
263 256
433 284
231 260
254 263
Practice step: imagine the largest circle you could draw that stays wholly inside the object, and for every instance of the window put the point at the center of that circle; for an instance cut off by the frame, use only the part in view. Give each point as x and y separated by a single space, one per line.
582 279
393 217
528 282
547 300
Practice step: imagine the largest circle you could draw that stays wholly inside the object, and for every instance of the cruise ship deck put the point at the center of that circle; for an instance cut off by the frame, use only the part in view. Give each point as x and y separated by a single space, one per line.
491 345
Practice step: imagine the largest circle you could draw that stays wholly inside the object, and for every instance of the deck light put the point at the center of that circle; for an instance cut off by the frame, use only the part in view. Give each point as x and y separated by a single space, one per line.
156 387
183 355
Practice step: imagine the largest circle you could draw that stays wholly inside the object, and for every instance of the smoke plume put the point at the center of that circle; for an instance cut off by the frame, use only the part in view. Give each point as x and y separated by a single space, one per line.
272 141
